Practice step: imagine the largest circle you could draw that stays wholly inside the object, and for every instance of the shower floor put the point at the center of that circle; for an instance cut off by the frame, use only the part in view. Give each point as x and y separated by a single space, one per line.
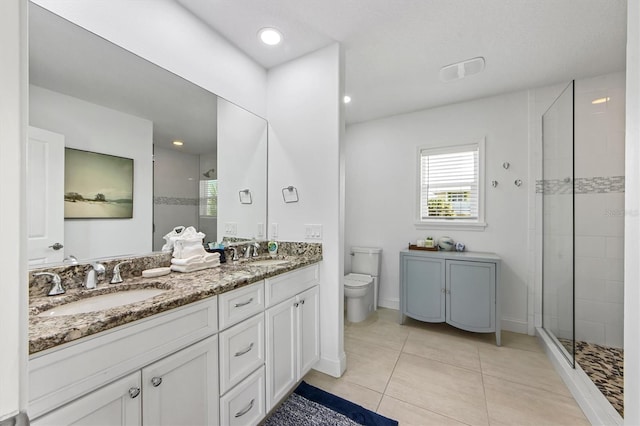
604 366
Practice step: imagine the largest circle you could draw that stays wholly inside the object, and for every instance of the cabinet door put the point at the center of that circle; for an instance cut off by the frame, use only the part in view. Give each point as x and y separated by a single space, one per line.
471 291
281 350
422 287
308 330
117 403
182 389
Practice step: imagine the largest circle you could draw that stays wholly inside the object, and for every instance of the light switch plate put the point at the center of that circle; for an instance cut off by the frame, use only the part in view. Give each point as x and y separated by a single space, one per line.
313 231
274 231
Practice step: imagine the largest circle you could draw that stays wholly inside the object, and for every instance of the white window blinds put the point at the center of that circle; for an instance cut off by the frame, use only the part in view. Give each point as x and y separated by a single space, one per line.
449 180
209 198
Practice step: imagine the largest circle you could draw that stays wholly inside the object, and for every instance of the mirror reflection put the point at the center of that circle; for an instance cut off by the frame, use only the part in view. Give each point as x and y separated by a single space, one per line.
198 159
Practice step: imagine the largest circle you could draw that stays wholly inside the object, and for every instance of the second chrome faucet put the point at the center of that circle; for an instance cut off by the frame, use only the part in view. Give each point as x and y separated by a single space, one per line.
95 274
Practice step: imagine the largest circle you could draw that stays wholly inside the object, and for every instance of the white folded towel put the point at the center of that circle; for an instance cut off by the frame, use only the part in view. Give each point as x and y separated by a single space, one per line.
195 266
208 257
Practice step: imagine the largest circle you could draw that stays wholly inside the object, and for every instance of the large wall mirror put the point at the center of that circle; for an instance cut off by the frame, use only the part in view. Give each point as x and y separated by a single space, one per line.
88 94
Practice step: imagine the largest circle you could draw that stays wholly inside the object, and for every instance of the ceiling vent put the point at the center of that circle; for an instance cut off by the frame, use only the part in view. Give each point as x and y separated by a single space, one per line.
462 69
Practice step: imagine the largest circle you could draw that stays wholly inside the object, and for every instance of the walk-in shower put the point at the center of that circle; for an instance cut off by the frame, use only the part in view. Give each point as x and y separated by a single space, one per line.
582 191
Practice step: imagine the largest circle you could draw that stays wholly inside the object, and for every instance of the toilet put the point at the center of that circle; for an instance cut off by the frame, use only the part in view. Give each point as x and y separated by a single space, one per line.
361 285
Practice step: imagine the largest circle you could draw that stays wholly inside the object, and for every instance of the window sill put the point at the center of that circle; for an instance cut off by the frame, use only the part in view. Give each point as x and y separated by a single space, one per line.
452 225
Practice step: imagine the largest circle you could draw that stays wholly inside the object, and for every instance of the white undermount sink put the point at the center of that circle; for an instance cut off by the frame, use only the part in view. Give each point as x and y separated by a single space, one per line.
102 302
268 262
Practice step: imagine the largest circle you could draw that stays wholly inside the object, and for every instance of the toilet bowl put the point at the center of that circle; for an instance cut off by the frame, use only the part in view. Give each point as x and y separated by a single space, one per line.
358 290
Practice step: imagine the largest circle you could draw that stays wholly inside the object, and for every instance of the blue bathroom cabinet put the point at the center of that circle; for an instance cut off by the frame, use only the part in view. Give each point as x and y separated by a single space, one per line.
461 289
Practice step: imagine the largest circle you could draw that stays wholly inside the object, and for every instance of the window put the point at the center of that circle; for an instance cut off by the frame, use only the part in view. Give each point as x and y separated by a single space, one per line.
209 198
450 184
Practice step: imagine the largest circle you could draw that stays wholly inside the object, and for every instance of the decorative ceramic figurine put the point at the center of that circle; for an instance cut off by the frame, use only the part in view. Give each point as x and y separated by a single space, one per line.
445 243
459 247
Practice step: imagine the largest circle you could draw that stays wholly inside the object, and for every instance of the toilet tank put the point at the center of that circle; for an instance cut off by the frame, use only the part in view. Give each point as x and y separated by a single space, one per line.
366 260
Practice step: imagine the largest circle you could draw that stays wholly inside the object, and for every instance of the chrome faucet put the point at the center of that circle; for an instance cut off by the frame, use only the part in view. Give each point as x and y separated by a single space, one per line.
94 275
256 246
234 251
56 287
117 278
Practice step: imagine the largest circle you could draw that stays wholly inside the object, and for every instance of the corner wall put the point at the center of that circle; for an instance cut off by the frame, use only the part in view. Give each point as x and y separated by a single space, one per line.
304 113
381 187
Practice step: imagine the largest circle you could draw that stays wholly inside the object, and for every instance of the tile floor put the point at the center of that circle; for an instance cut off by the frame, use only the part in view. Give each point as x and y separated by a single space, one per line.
433 374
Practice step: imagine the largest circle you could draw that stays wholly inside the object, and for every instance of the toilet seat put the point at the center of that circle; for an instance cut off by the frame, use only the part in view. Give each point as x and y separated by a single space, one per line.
357 280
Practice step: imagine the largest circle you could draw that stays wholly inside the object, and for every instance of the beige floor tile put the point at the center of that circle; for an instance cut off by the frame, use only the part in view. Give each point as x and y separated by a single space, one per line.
382 333
445 389
350 391
451 349
410 415
521 341
520 366
511 403
369 365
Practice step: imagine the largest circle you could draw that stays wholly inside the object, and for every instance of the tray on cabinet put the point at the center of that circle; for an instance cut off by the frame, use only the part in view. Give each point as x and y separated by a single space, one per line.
415 247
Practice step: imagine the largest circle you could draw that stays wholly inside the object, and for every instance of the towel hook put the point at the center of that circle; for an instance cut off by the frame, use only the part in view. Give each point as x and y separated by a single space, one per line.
290 194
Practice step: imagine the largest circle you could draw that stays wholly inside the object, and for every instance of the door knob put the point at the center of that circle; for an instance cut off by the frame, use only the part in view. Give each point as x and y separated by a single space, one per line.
56 246
133 392
156 381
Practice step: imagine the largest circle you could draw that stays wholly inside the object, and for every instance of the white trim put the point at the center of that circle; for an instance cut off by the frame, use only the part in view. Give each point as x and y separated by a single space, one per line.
389 303
334 368
456 225
594 405
514 325
462 224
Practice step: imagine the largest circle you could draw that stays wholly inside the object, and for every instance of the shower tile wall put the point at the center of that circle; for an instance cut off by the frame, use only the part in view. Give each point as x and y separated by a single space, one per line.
175 191
599 209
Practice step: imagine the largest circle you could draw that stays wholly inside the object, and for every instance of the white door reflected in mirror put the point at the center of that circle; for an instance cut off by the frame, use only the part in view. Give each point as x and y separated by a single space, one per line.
45 186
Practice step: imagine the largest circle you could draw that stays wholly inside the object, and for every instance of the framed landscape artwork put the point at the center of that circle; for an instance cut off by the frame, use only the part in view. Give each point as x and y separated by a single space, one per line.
97 186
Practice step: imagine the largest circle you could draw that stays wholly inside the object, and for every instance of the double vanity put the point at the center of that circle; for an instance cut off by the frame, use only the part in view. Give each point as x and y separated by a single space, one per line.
218 346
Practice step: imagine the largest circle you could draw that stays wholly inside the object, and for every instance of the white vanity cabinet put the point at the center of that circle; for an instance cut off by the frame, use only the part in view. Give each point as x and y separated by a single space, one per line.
179 347
461 289
292 330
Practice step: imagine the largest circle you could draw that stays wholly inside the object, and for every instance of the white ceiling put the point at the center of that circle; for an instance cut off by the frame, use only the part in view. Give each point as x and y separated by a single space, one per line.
394 49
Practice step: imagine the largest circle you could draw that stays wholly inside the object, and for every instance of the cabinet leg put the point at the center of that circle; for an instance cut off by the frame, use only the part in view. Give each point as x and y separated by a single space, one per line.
498 343
403 318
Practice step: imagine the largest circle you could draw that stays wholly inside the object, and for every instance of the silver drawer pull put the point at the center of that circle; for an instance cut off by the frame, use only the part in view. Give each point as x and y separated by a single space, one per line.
242 352
238 305
133 392
156 381
245 410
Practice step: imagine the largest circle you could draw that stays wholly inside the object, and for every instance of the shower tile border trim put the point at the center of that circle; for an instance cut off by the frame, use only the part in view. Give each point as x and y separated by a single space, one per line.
591 185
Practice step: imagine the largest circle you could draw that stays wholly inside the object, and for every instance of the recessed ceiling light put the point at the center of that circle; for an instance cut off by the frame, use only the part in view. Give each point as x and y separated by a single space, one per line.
600 101
346 99
178 143
270 36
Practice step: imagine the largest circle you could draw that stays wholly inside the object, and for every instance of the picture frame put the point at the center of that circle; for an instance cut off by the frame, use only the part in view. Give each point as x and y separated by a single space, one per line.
97 186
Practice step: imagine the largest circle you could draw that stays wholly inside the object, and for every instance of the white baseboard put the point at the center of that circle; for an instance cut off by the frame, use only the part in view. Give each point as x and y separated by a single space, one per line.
334 368
389 303
594 405
514 325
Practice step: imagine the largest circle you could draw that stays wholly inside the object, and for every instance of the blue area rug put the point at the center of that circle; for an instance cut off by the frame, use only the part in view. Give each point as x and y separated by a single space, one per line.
309 405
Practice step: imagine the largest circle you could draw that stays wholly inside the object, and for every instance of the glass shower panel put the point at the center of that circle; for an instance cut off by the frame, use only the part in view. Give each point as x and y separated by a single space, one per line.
558 222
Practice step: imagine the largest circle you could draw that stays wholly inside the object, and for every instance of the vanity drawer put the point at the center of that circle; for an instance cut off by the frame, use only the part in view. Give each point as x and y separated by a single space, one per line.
63 374
239 304
244 404
241 351
287 285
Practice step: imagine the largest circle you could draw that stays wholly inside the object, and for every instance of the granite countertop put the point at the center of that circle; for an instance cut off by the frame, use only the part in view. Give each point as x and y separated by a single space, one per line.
181 289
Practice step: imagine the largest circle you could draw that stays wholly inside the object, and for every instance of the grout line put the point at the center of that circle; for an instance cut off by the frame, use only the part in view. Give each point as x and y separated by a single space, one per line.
384 392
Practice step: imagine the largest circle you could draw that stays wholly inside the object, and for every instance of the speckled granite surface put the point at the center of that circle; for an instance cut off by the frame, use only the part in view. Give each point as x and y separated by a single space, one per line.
181 289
